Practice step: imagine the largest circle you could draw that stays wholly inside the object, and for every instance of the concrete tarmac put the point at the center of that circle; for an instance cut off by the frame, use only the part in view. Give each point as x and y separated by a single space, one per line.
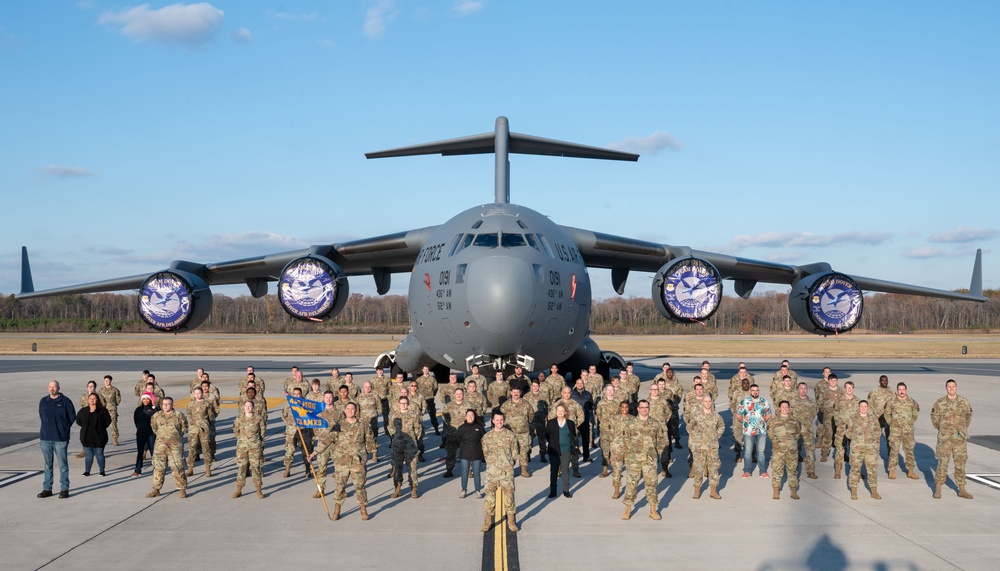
108 523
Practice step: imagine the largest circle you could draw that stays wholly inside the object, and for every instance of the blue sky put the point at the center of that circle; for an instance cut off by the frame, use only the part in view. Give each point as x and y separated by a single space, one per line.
863 134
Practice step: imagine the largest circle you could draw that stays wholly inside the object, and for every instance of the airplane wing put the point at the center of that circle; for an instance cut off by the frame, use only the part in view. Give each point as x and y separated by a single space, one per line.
380 256
620 255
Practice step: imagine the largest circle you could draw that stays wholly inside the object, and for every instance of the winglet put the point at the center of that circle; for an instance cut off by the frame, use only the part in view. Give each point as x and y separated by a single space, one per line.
26 284
976 287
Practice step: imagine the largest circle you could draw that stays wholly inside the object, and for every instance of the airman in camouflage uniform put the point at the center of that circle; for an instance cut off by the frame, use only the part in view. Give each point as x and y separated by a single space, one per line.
804 410
453 415
646 438
616 435
592 382
259 402
249 430
257 382
199 414
676 396
140 386
446 392
539 413
293 380
574 412
692 400
292 440
705 427
785 391
901 414
475 399
659 410
112 398
736 396
951 416
827 394
169 425
428 386
418 404
605 409
844 408
554 383
322 460
475 377
631 382
351 441
517 417
380 386
784 432
353 390
498 392
406 429
866 439
315 392
709 381
785 369
368 407
877 400
500 451
335 380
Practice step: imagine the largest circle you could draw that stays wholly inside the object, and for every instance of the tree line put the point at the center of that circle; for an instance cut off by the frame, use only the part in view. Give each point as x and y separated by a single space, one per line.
765 313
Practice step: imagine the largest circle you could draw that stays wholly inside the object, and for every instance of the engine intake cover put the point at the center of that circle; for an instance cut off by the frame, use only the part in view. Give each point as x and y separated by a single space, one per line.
687 290
826 303
312 288
174 300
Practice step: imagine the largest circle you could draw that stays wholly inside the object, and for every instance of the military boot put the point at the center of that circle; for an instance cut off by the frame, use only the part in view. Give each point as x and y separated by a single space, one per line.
208 470
288 471
836 470
811 475
653 514
190 470
260 491
239 491
824 455
488 523
628 512
777 494
413 492
697 492
892 473
618 490
183 494
154 493
937 490
81 454
319 493
795 492
854 492
364 513
604 472
510 523
375 456
875 495
116 440
962 493
912 474
713 492
336 512
395 492
525 473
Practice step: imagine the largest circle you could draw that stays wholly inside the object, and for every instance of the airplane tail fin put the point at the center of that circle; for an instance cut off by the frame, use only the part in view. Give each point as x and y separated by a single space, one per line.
501 142
27 286
976 287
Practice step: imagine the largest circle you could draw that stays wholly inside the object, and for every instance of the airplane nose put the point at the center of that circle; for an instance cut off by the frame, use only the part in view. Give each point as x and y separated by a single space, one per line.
499 293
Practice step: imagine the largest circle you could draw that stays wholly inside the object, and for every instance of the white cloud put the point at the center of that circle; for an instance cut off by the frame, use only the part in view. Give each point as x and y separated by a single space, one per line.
783 257
242 36
467 7
376 17
66 172
963 234
650 144
924 252
188 25
807 239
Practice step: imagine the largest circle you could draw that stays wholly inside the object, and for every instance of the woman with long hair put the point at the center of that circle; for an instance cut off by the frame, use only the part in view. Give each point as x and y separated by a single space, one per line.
94 421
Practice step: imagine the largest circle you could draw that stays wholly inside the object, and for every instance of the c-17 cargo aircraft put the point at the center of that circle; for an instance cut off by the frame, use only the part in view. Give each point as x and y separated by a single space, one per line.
500 284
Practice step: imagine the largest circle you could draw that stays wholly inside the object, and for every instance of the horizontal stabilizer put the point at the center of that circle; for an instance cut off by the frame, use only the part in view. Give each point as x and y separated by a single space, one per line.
520 144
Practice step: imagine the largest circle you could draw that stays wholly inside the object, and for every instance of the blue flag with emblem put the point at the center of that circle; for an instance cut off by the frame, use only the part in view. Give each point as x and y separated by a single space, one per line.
306 412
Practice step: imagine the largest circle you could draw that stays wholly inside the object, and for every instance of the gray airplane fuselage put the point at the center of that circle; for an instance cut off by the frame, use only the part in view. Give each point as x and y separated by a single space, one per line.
499 282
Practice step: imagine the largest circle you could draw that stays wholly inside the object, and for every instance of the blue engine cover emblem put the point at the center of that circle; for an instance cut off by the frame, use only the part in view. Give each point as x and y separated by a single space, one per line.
835 303
165 301
692 290
307 288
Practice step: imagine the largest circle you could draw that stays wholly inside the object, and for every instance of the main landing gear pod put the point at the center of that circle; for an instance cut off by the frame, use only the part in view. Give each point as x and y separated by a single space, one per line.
312 287
687 290
174 300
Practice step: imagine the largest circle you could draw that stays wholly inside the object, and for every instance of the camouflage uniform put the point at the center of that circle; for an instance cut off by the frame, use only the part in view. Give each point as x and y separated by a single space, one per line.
844 408
594 385
333 384
368 407
517 417
901 415
292 441
353 391
617 429
481 383
711 386
213 397
951 418
645 441
781 394
258 383
323 459
604 411
804 411
86 396
692 404
826 400
140 387
169 447
249 434
312 395
778 375
291 384
704 431
500 451
866 437
350 444
539 414
659 410
675 392
199 415
259 406
877 400
447 392
735 398
497 393
784 432
404 444
453 414
476 402
380 386
112 398
427 386
631 384
554 385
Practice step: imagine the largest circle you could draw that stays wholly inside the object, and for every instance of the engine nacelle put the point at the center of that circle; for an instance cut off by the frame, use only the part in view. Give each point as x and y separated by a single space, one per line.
687 290
174 300
312 287
826 303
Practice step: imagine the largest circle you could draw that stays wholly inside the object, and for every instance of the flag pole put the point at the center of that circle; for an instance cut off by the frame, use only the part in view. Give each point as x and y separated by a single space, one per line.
315 477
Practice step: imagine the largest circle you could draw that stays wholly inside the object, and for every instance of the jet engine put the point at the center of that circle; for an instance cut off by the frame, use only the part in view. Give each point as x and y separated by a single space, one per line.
174 300
687 290
826 303
312 287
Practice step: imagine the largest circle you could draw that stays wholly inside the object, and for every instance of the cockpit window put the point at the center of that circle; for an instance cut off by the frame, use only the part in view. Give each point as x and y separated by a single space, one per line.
486 240
462 242
512 240
533 242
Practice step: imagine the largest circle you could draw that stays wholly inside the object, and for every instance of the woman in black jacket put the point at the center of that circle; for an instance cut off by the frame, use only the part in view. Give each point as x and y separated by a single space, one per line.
470 451
144 436
561 434
94 421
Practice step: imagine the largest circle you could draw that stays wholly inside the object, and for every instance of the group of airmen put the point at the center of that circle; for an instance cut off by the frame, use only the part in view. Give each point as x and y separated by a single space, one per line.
636 436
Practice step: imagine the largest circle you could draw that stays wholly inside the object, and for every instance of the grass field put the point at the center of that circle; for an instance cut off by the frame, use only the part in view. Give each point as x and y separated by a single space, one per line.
631 346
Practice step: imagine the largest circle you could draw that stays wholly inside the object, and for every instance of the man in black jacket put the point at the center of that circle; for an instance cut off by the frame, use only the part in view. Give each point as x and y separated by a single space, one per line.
561 435
57 416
